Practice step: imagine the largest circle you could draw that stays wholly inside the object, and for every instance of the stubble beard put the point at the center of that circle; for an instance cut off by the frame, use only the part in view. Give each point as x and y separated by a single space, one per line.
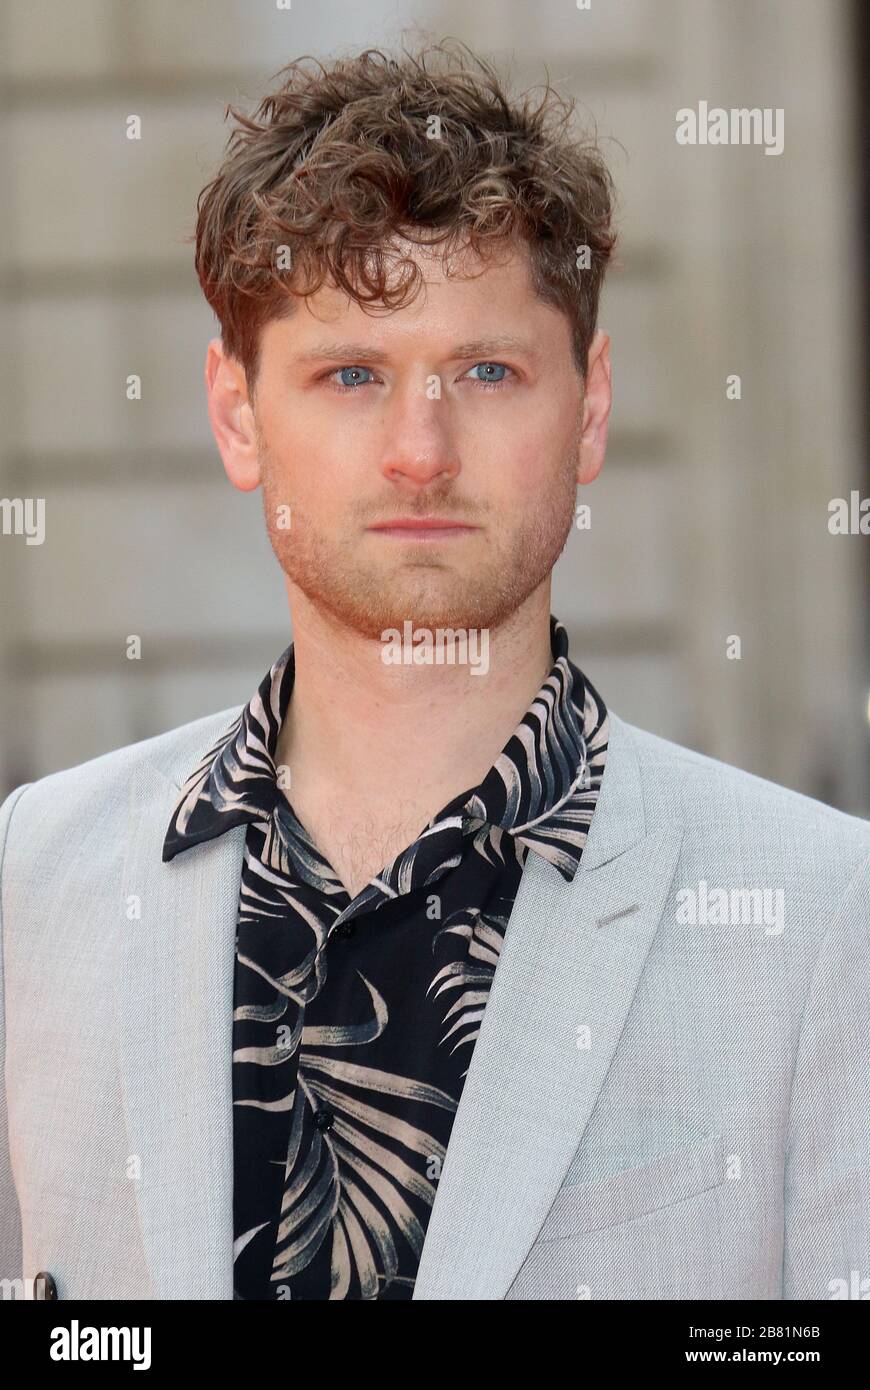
429 590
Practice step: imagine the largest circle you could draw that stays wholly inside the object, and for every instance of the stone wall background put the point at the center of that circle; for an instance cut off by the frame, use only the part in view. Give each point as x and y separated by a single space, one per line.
710 518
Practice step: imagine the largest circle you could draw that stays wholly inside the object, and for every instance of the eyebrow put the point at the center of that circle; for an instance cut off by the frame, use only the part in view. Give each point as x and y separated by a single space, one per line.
363 352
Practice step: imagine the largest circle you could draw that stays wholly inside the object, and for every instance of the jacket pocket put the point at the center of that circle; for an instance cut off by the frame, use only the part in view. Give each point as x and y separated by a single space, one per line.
670 1177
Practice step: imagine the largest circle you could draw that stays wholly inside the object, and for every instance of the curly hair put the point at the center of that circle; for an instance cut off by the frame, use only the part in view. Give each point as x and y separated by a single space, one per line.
340 158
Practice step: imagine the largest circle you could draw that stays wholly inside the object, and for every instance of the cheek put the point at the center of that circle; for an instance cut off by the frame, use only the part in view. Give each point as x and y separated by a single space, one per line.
537 466
320 492
534 440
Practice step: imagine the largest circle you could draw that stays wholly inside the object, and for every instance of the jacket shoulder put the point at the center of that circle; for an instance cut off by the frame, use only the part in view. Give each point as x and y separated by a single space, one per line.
81 794
718 802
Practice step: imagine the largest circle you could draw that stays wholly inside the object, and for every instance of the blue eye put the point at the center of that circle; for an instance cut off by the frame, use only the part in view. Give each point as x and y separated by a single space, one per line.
349 378
353 373
488 369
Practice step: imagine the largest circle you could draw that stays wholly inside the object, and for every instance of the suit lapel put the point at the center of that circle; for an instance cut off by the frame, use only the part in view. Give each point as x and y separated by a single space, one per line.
570 965
175 1000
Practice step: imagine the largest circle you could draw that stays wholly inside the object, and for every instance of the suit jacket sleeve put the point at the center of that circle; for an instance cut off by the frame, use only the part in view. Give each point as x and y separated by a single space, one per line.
10 1216
827 1167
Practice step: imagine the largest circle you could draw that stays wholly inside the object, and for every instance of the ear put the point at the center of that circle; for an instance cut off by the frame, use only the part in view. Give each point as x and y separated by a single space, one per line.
597 401
232 417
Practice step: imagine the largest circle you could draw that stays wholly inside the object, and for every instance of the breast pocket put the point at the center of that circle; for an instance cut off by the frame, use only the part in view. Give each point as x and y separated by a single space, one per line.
647 1232
669 1178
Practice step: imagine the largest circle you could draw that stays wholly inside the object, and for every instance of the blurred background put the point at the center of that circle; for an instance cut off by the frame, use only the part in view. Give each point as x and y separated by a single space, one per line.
710 520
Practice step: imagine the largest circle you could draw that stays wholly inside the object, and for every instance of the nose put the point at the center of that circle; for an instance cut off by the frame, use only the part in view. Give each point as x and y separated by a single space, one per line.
419 449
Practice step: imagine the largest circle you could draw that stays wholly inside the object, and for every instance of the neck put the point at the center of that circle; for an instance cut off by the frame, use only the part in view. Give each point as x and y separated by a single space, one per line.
369 735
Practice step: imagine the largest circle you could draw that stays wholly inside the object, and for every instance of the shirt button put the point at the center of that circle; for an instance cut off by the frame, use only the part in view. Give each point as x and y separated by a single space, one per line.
324 1119
44 1287
344 931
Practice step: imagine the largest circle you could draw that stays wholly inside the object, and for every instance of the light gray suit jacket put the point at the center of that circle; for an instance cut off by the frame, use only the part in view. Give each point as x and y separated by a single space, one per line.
657 1107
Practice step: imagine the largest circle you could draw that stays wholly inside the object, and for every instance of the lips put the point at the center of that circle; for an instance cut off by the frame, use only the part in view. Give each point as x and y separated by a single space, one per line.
421 523
424 530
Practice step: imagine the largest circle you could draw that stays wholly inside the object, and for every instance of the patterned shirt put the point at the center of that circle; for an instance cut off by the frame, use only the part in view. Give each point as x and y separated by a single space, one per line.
354 1020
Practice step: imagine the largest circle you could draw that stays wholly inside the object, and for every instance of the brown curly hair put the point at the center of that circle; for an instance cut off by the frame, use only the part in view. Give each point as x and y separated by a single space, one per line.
339 158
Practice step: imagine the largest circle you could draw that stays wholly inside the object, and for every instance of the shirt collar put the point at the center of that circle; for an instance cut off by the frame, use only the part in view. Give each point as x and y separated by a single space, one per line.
541 789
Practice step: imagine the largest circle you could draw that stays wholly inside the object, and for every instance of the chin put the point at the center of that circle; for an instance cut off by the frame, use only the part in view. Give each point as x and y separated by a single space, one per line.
372 603
469 612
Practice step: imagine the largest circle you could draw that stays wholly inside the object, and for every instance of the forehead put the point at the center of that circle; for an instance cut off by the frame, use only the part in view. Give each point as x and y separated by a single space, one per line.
456 286
455 260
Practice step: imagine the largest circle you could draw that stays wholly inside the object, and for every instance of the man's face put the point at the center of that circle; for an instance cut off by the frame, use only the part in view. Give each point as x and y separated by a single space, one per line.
465 408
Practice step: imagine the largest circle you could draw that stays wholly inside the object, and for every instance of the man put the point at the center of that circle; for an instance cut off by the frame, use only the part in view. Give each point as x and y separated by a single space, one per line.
422 974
